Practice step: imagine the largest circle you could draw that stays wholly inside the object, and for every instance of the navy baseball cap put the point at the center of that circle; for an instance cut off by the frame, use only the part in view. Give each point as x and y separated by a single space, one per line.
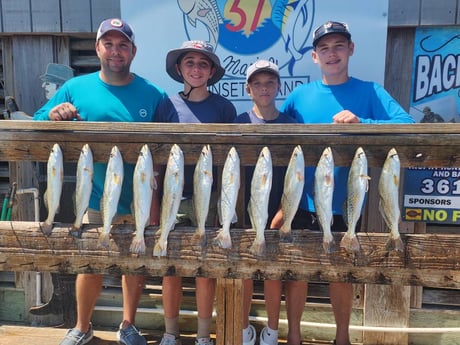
330 28
115 24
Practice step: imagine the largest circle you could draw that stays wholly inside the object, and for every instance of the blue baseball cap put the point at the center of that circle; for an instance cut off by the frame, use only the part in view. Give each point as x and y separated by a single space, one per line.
115 24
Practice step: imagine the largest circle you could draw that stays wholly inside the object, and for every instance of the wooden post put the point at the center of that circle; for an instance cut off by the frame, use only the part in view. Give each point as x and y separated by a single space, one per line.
229 307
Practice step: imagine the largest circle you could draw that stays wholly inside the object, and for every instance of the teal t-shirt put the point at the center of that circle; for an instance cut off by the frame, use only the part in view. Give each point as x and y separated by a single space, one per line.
96 100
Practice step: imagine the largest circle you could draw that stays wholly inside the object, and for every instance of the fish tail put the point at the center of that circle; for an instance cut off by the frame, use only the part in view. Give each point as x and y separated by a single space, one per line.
285 233
199 236
224 239
104 239
47 228
160 248
394 243
350 243
137 245
329 245
75 230
258 248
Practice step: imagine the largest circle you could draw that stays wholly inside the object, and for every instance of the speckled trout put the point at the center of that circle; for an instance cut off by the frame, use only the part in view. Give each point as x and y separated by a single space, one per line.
294 181
54 180
202 186
83 188
389 199
261 185
228 197
111 195
143 185
173 186
323 191
357 186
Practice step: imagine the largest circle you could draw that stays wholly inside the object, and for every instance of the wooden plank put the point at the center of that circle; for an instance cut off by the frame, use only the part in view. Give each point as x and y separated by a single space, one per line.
425 261
46 16
403 13
229 303
398 69
434 12
76 16
27 87
438 297
62 50
16 16
103 9
417 144
386 306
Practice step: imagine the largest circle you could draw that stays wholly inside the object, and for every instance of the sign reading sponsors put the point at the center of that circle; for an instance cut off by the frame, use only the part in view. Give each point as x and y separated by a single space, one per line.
432 195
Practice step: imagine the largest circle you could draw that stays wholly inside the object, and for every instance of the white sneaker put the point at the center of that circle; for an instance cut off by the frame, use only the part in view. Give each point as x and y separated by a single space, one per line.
253 338
262 334
170 339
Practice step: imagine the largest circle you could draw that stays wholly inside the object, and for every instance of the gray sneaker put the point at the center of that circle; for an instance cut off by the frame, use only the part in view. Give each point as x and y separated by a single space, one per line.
203 341
76 337
130 336
170 339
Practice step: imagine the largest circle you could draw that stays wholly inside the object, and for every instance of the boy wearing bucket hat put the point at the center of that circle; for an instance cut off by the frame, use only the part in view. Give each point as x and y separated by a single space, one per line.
196 66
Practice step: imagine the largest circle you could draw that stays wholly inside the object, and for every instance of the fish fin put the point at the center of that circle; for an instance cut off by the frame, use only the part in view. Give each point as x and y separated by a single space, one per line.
137 245
47 228
153 182
199 237
133 209
350 243
258 248
219 210
160 248
45 198
234 218
74 203
345 212
104 240
394 243
285 233
223 239
329 245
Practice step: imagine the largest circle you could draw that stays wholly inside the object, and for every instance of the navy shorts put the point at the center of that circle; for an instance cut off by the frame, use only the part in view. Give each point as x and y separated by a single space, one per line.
307 220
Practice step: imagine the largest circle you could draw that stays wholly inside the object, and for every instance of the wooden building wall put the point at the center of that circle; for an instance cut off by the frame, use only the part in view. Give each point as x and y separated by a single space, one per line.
63 31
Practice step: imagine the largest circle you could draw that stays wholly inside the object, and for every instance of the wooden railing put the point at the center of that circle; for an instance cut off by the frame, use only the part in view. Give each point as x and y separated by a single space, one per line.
428 259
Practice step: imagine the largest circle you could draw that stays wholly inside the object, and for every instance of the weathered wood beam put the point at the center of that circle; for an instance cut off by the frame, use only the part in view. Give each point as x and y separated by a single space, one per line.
428 260
423 145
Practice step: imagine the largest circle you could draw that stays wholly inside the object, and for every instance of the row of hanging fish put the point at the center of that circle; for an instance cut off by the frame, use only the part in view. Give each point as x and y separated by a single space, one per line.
357 187
144 182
